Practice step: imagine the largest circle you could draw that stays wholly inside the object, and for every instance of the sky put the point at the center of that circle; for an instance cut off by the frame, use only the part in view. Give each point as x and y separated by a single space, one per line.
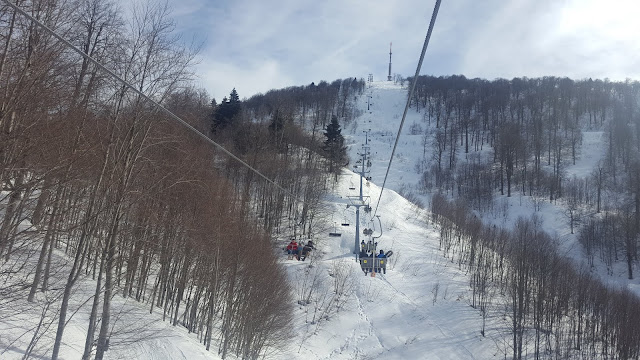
257 45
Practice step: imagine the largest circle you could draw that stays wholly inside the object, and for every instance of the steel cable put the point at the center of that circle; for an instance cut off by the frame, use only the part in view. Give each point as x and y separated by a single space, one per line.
413 87
155 103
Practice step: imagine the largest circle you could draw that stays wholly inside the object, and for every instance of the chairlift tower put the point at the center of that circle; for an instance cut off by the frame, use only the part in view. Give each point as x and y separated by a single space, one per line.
362 166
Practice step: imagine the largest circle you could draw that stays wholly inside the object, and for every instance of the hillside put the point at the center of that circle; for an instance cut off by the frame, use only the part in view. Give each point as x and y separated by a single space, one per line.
425 306
413 158
418 309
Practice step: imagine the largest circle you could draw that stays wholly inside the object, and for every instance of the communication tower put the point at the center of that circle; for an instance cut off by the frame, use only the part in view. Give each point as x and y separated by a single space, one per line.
389 76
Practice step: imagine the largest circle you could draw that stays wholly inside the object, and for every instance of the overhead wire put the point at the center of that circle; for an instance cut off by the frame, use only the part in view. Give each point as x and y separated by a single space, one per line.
153 102
406 108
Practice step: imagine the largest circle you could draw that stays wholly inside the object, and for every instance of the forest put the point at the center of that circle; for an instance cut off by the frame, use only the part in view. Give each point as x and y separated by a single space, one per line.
517 137
98 183
555 309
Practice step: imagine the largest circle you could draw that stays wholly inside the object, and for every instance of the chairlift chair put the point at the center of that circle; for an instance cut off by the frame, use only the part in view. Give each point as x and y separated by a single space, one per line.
344 220
335 233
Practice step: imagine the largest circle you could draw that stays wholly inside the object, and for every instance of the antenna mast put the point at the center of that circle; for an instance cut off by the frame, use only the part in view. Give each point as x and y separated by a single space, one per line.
389 76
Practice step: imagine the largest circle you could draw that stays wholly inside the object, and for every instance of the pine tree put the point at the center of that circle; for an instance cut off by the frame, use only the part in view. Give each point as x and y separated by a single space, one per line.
233 105
224 114
333 147
234 99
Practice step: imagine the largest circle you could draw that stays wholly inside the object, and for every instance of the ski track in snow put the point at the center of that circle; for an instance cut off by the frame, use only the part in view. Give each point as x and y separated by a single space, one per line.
433 321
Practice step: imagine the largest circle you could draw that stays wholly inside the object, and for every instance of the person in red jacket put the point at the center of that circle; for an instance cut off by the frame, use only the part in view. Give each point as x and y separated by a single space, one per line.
292 249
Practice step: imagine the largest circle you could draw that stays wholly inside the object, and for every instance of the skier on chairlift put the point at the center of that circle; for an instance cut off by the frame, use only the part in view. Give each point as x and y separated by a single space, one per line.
292 249
306 250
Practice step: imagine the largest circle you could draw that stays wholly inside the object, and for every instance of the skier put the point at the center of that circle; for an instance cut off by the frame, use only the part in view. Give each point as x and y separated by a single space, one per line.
381 255
306 250
292 249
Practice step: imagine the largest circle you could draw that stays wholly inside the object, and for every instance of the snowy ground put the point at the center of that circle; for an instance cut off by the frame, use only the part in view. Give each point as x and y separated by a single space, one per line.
419 309
137 334
383 118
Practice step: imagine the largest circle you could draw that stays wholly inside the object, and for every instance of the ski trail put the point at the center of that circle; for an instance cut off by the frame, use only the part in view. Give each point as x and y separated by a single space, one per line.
431 321
359 336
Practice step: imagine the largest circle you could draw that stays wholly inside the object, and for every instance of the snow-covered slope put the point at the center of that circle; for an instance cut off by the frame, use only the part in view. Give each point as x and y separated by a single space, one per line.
386 105
420 308
383 118
136 333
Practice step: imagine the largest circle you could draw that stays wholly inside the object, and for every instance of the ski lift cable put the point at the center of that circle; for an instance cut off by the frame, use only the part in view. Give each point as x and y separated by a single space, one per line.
413 87
153 102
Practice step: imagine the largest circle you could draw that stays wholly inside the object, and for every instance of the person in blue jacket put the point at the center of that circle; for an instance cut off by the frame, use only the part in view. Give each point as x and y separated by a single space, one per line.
381 255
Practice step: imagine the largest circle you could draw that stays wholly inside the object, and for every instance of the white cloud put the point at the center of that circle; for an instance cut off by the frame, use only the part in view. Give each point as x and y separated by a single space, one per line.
573 38
220 78
258 45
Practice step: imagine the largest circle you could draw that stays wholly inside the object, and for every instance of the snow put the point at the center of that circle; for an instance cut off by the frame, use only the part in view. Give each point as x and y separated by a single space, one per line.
419 309
136 333
388 101
592 151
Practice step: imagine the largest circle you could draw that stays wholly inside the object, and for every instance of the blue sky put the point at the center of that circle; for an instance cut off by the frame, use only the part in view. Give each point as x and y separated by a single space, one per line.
257 45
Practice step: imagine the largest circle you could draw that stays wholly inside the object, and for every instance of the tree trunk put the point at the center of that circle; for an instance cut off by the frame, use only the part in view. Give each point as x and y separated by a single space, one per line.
88 344
103 336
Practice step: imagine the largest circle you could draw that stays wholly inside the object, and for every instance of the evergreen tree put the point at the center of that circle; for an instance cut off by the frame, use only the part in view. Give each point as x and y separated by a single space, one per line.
334 148
234 99
224 114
